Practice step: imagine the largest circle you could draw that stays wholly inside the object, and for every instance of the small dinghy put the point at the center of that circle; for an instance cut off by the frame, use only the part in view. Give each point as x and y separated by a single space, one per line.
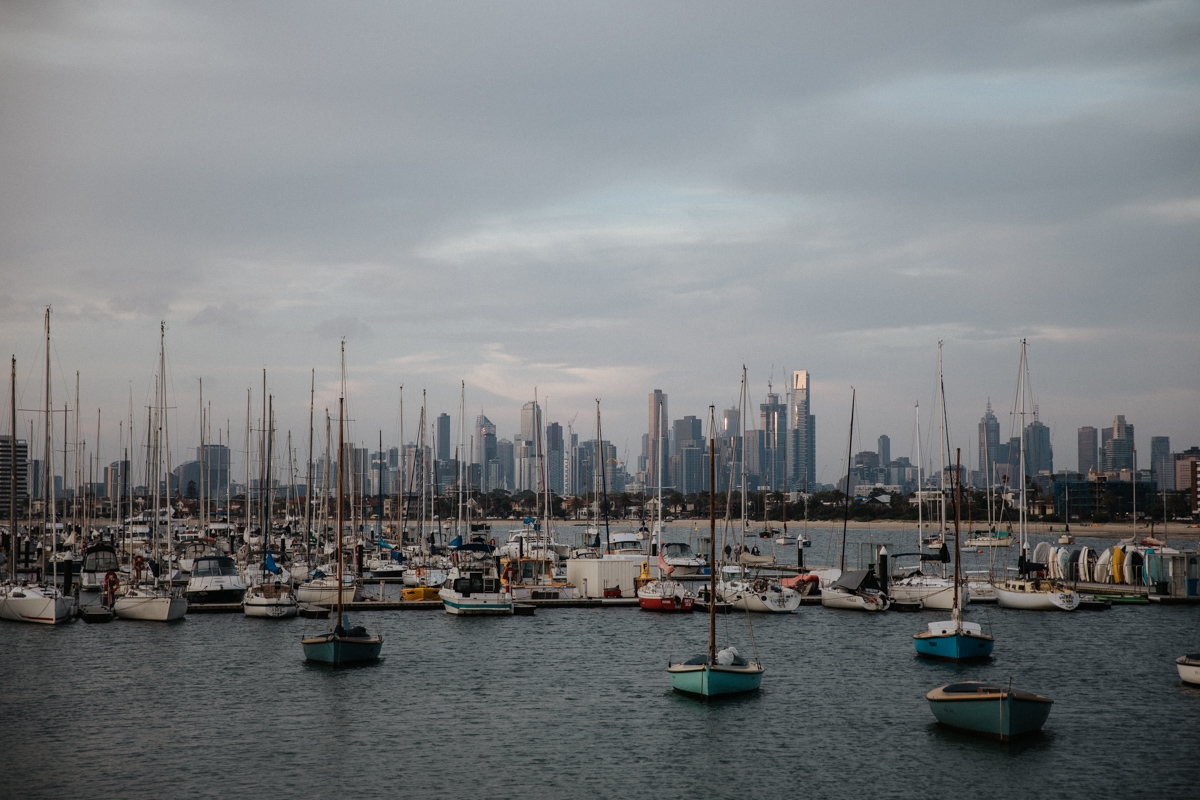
989 710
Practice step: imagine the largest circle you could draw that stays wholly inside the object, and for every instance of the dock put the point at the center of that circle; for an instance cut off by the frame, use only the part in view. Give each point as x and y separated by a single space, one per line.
429 605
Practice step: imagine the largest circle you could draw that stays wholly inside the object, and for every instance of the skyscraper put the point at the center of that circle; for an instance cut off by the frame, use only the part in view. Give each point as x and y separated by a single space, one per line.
802 443
531 421
989 439
6 477
658 434
774 425
1162 463
442 437
485 453
1117 452
1039 455
1088 458
885 450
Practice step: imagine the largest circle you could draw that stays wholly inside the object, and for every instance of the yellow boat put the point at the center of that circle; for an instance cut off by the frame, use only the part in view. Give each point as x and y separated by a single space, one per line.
421 593
1118 564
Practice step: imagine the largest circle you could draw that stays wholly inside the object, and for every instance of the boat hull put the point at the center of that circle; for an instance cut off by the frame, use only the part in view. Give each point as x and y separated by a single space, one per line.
215 597
837 598
152 609
1054 600
338 651
1000 714
665 603
1189 668
956 646
270 607
322 595
705 681
476 604
33 605
937 596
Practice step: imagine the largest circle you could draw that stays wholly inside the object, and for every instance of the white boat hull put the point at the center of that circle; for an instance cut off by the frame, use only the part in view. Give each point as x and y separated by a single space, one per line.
1052 600
1189 669
324 595
151 607
37 605
981 592
937 595
838 598
270 607
477 603
772 599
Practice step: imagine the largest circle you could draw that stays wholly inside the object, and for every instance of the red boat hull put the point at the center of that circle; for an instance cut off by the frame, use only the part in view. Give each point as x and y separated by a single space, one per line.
666 603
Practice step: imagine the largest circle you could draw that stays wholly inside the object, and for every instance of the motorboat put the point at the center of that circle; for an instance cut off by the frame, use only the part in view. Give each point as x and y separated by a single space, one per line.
682 560
215 581
473 587
1189 668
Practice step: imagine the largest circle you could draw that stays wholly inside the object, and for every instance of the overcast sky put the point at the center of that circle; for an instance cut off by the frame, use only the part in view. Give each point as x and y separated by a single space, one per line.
604 199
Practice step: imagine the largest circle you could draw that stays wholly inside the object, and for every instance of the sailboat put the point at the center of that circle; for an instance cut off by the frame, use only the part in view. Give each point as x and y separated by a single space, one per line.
341 646
724 672
267 597
20 601
855 590
1029 590
152 600
920 589
953 639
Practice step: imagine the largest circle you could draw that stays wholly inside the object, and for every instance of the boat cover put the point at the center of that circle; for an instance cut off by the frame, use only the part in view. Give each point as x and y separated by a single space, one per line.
856 580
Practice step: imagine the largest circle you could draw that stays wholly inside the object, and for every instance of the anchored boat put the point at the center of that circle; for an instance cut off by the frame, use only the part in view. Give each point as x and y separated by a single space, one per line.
989 710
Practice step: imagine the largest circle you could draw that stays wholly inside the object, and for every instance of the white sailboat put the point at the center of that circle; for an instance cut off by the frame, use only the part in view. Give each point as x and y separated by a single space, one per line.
1028 589
152 600
42 602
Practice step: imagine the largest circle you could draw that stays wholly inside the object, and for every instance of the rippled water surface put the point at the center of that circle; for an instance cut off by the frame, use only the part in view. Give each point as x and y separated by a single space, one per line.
576 702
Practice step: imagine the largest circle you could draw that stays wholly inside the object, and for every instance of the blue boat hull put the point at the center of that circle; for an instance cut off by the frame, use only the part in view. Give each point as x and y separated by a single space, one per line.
339 650
989 710
954 647
704 681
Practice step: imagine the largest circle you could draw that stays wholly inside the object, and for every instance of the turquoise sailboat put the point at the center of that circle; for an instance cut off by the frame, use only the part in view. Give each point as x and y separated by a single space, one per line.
955 640
715 673
341 646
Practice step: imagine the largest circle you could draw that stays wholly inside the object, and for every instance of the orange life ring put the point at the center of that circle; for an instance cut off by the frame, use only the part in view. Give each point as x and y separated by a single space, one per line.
111 582
420 572
492 542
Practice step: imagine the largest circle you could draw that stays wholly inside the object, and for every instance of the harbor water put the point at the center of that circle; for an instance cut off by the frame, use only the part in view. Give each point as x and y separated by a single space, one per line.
576 702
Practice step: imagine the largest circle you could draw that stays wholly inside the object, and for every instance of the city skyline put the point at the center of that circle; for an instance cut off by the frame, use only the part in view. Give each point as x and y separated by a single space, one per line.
598 206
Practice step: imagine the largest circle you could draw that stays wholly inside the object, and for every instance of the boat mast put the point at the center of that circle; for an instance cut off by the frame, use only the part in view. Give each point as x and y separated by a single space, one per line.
340 486
920 518
47 474
12 476
712 536
246 507
268 499
1021 449
743 402
600 465
957 519
943 439
308 487
846 514
659 527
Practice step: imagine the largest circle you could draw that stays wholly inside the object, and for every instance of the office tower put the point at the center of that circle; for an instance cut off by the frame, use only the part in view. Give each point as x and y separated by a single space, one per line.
1117 452
1088 453
554 457
885 450
658 436
6 476
505 455
773 419
1039 456
531 421
802 444
441 437
486 454
989 439
1162 463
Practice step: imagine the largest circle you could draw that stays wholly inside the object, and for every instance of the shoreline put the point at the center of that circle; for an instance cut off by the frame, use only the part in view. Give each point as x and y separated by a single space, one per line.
1107 530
